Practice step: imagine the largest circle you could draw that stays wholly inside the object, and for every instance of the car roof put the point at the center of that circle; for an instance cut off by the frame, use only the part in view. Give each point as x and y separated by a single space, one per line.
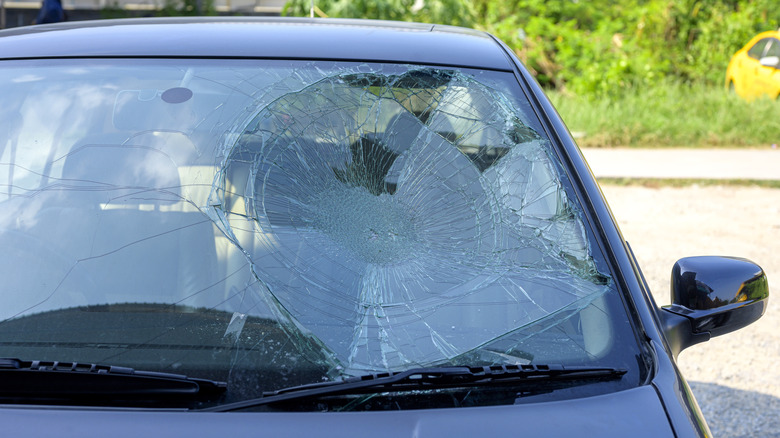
258 37
760 36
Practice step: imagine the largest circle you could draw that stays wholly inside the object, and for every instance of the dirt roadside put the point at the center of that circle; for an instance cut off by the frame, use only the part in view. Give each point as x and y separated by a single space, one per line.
736 377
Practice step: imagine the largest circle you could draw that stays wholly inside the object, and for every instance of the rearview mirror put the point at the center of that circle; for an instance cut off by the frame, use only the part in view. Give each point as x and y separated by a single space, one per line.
712 296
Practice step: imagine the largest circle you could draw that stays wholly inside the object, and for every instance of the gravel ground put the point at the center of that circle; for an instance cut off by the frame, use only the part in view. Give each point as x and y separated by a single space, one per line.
736 377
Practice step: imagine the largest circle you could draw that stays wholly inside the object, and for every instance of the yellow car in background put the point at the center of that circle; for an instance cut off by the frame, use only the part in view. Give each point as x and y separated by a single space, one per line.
755 69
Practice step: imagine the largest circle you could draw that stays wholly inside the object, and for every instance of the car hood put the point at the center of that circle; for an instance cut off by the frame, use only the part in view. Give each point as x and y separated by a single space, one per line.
635 412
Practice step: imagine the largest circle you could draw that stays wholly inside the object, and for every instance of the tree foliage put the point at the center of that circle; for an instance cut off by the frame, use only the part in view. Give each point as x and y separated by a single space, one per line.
186 8
592 47
455 12
597 46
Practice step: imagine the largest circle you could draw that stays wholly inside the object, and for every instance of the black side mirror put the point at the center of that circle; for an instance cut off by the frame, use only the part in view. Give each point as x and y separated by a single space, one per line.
712 296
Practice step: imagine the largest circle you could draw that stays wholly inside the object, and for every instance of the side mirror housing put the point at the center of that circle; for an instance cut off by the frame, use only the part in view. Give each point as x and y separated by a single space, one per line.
770 61
712 296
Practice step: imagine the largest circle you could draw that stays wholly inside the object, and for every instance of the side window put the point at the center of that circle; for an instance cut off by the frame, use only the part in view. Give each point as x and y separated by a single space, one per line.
774 48
758 49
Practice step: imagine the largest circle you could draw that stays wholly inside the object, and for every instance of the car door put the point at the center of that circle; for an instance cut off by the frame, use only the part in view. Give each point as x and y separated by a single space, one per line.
767 78
750 69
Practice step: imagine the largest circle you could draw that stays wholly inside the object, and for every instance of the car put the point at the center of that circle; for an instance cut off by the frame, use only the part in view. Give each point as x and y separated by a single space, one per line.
754 71
287 226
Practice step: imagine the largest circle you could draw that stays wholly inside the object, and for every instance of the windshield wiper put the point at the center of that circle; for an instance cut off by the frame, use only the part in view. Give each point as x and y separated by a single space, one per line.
52 381
431 378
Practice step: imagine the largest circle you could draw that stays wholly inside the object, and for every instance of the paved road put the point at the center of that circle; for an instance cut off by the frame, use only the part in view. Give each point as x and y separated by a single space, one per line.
758 164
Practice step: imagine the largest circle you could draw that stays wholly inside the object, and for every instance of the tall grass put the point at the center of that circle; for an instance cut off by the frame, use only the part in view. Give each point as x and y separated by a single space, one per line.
670 115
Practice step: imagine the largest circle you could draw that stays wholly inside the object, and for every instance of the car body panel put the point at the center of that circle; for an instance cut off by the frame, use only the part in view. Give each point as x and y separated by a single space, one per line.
239 38
745 73
607 415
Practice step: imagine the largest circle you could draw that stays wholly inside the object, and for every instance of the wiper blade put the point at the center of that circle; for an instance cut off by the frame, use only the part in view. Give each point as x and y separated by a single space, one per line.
431 378
27 381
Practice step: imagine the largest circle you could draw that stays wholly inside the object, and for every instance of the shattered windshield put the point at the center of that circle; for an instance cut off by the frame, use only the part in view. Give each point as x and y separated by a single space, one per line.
272 223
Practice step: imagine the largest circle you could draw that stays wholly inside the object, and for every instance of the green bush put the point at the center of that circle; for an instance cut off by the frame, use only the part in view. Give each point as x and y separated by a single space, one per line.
600 48
593 47
454 12
175 8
